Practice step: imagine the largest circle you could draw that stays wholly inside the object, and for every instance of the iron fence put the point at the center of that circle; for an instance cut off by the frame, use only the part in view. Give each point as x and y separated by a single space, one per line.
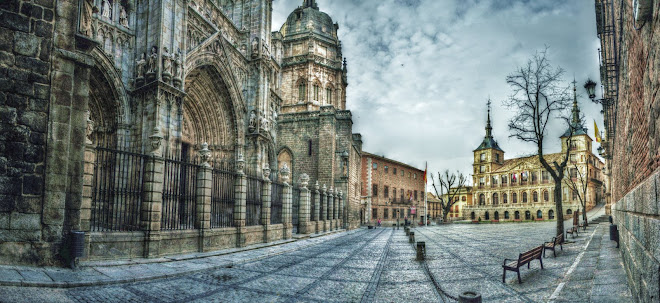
321 208
276 197
222 198
253 200
312 207
295 205
117 190
179 195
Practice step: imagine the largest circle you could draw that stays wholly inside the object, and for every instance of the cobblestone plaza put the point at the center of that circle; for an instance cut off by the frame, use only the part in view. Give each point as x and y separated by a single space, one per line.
364 265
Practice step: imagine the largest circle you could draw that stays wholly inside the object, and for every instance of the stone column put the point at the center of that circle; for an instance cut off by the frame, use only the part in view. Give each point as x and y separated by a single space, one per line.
341 209
88 186
335 208
317 207
265 202
240 197
152 203
204 189
287 203
303 210
331 206
324 214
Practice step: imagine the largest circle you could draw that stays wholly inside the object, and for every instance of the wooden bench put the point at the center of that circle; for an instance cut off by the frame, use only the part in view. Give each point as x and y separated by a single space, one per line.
524 258
558 240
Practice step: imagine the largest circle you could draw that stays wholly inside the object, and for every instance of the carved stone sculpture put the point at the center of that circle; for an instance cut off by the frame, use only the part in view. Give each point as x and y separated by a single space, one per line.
264 124
140 66
106 9
266 171
167 65
205 154
303 180
176 69
284 173
151 61
156 139
240 164
255 47
123 17
86 13
89 129
253 121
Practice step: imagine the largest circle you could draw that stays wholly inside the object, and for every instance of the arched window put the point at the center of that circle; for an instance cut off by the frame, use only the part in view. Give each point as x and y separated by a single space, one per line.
514 197
504 179
539 214
316 91
569 212
472 215
302 91
496 199
463 198
535 196
487 216
516 215
551 214
546 196
506 215
482 199
504 199
524 197
496 216
528 215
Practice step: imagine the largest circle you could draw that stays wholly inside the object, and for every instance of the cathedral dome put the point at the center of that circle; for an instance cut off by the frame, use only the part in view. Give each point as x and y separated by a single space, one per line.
308 18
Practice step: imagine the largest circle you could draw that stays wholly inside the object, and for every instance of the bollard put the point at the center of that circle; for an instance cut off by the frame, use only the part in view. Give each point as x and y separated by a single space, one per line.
610 218
614 234
412 237
407 230
421 250
76 247
469 297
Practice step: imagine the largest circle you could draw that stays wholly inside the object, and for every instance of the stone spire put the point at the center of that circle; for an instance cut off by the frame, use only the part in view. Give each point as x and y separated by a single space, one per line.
575 121
310 3
489 129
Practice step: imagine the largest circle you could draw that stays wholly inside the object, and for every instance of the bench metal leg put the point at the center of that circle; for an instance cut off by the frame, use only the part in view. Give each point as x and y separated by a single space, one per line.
504 275
541 260
553 253
519 280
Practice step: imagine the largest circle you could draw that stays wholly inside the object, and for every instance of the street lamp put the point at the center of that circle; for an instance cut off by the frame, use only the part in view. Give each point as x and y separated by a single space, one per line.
590 86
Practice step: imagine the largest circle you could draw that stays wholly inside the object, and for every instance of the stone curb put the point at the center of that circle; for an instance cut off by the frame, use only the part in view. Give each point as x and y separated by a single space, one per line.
102 279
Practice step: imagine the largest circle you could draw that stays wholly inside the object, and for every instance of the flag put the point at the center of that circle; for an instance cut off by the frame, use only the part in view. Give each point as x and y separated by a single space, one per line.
426 168
597 133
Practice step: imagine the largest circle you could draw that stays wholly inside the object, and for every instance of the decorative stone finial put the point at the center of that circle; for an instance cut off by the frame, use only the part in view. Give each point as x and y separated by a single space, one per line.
303 180
205 154
340 194
331 191
284 173
266 171
325 188
240 163
156 139
316 185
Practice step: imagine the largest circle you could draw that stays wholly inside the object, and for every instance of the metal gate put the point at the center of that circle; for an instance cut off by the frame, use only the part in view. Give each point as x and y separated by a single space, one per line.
295 207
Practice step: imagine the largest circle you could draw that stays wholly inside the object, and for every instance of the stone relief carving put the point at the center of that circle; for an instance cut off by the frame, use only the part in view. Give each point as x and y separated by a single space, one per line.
264 124
252 126
88 10
89 128
255 47
106 9
177 69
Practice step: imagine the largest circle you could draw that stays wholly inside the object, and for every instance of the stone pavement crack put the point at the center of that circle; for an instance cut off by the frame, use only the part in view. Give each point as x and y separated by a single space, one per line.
344 239
458 257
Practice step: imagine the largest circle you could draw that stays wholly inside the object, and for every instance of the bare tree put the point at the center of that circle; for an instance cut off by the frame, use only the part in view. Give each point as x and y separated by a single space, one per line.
578 183
449 183
538 96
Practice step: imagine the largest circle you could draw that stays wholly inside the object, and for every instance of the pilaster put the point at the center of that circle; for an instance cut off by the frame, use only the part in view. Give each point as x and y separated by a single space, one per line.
331 207
317 215
287 202
265 202
204 188
152 203
240 201
303 209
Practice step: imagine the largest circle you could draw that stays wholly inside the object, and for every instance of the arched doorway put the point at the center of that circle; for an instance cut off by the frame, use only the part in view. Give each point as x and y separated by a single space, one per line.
497 215
569 211
506 215
487 216
516 215
472 215
539 214
551 214
528 215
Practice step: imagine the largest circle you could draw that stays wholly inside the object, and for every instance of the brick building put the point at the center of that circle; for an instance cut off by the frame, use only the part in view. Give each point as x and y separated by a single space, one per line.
629 33
462 197
391 190
520 188
434 206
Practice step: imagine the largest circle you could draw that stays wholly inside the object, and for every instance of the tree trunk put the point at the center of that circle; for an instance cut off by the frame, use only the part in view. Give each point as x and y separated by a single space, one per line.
558 208
584 213
444 215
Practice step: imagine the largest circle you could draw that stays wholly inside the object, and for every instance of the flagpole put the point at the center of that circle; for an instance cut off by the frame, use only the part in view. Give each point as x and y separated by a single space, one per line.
426 205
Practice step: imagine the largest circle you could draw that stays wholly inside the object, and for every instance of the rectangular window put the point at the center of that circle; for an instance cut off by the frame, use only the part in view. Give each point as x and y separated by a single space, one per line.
309 147
316 92
394 193
497 157
403 173
415 176
482 168
386 213
482 157
573 159
482 181
394 170
386 191
328 95
374 213
415 195
375 165
386 169
374 190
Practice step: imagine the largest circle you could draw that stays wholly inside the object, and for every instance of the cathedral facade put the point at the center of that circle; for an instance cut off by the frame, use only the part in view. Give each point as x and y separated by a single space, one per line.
520 189
169 127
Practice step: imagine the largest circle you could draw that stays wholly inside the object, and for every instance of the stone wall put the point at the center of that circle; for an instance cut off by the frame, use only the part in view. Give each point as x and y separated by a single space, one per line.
635 149
26 43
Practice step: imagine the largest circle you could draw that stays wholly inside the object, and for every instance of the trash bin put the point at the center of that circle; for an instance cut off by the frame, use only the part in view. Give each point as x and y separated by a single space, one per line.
76 246
421 250
469 297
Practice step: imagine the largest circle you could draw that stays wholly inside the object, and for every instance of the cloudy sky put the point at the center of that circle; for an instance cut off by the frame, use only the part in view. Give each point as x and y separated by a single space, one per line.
421 71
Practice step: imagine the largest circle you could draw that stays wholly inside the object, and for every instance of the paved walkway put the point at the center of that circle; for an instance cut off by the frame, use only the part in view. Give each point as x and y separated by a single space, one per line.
357 266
